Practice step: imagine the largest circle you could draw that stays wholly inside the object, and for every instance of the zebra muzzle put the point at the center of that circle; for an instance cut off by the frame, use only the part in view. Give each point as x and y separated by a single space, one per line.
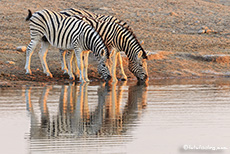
108 78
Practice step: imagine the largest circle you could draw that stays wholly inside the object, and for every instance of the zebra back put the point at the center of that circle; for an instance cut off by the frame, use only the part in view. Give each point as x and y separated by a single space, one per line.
66 32
107 18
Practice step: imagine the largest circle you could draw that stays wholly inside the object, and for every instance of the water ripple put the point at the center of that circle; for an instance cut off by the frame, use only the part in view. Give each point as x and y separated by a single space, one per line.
114 118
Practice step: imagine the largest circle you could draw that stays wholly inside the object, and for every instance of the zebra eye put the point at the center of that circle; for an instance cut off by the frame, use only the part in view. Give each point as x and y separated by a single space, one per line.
103 65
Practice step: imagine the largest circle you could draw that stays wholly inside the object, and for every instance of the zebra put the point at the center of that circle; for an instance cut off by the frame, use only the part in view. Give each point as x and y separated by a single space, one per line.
132 65
66 33
113 31
74 11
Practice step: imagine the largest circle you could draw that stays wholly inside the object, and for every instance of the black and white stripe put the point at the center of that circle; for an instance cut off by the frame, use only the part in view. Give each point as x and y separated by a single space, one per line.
103 18
116 34
66 33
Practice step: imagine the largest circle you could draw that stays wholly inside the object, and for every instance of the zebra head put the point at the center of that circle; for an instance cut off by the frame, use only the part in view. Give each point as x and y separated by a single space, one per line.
139 67
102 68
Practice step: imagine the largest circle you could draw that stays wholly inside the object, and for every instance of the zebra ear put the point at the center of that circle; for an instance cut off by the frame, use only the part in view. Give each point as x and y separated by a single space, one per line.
139 55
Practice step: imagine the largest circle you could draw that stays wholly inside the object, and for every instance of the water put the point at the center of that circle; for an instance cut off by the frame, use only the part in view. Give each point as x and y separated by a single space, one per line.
165 117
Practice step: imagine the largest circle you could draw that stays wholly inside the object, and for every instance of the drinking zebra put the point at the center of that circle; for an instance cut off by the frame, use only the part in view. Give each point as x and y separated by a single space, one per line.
137 56
66 33
135 64
117 36
115 56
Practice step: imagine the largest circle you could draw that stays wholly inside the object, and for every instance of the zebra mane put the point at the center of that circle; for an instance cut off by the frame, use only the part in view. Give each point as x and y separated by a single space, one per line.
127 27
79 12
82 17
64 13
96 18
144 54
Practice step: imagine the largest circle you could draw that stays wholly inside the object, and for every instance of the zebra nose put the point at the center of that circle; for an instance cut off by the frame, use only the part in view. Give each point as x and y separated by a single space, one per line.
143 79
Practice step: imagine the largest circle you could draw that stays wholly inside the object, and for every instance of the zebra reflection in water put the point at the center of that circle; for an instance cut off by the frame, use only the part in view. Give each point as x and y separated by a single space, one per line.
74 117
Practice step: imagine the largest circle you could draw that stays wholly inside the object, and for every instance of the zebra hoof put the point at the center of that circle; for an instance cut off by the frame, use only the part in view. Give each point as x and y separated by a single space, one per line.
72 78
49 75
65 72
28 73
124 78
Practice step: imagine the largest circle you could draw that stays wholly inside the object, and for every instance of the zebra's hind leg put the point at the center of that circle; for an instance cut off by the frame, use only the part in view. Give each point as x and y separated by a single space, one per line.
42 55
29 53
63 61
123 77
85 71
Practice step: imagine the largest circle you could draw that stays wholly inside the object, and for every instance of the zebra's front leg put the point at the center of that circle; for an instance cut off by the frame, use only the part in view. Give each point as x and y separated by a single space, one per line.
75 67
29 53
42 55
123 77
78 54
114 64
86 57
144 63
63 61
70 68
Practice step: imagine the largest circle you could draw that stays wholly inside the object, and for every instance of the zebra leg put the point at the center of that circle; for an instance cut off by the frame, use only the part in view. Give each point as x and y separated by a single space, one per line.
63 61
78 54
114 64
29 52
42 55
144 62
69 63
86 57
75 67
123 77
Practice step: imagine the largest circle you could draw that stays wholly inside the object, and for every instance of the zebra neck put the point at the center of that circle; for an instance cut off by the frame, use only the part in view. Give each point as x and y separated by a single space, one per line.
95 43
125 41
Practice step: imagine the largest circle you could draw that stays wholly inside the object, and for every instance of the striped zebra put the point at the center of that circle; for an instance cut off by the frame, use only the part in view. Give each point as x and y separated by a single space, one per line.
115 56
118 36
66 33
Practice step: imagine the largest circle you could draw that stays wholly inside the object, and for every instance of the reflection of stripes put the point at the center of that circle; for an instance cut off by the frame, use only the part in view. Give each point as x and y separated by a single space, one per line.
73 117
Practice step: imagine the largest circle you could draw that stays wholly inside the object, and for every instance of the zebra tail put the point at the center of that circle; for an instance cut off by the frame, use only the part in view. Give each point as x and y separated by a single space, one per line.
29 15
